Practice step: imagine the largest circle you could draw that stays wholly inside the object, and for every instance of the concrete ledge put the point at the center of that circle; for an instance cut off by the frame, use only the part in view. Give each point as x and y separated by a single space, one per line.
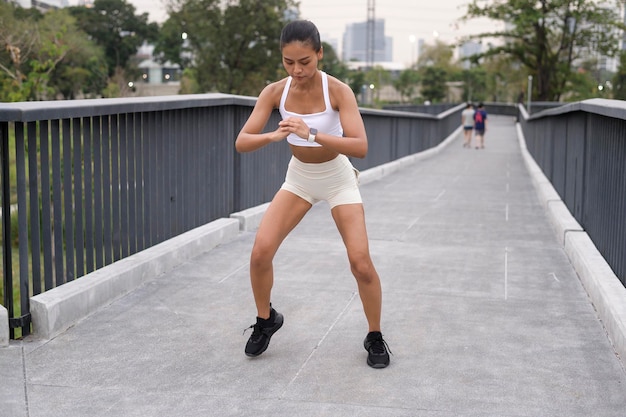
56 310
250 219
605 290
607 293
561 219
4 327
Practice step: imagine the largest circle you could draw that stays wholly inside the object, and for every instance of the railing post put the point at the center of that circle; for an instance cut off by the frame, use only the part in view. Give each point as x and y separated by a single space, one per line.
7 264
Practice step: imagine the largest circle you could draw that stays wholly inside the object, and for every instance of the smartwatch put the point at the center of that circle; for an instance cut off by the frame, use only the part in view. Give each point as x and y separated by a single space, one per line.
312 133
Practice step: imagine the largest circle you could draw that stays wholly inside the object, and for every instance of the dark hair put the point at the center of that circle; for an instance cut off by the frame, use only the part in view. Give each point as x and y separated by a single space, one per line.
301 31
480 105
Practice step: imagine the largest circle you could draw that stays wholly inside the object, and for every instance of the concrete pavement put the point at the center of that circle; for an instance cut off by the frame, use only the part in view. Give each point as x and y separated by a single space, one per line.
483 311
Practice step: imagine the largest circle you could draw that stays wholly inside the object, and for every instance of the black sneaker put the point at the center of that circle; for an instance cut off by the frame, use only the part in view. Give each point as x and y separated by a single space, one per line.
377 355
262 333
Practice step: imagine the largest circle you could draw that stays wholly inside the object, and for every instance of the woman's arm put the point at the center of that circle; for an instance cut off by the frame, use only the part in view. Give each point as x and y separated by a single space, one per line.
250 137
354 139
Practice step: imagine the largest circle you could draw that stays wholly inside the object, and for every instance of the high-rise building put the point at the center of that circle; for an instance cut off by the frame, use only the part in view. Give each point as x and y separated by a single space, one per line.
42 4
468 49
355 43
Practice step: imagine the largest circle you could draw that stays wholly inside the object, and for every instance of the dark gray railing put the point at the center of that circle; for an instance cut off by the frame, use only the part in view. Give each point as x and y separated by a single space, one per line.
94 181
581 148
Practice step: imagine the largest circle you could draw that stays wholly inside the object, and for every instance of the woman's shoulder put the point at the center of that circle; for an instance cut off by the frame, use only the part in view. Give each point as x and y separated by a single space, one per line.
338 90
273 91
275 87
336 84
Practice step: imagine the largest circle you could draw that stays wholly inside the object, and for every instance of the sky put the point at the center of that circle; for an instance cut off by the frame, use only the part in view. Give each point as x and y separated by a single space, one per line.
404 19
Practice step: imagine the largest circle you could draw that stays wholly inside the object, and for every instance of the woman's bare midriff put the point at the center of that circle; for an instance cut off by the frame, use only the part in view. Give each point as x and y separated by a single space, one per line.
312 155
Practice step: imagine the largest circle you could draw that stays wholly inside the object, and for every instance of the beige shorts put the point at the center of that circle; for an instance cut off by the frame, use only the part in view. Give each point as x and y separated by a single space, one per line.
335 181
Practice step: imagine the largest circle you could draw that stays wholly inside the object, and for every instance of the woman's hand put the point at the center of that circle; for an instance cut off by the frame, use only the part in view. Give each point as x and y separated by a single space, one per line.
294 125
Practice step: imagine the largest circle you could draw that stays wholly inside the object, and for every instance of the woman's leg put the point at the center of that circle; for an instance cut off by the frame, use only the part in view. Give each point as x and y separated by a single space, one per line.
283 214
468 137
350 221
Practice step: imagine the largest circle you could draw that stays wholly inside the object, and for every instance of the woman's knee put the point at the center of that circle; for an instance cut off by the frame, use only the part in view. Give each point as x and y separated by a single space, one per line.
363 269
262 254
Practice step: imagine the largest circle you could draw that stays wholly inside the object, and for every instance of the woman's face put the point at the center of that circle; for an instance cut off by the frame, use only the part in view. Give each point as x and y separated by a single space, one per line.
300 60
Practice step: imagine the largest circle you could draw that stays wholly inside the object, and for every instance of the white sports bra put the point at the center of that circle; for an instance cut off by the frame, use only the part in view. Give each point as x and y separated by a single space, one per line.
327 121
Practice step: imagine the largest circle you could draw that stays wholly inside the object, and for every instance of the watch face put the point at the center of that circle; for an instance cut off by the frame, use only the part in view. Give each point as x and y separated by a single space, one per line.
313 131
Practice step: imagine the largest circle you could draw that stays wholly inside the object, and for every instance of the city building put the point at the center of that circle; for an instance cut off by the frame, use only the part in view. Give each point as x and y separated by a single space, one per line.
42 4
467 50
355 43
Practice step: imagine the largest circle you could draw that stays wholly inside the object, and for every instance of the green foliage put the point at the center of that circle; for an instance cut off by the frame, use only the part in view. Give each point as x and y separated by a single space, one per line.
331 64
378 77
114 26
581 85
235 48
619 80
547 37
355 80
17 43
438 55
436 66
170 44
44 55
188 84
434 86
407 83
474 84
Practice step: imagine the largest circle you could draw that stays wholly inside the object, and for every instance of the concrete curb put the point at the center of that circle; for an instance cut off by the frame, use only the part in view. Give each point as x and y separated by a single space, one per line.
56 310
4 327
250 219
605 290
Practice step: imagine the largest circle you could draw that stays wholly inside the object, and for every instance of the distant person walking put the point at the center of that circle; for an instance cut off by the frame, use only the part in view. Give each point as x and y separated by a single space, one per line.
480 126
467 121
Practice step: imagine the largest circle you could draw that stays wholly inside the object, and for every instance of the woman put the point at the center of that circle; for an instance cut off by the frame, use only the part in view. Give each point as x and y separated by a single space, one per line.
467 120
322 124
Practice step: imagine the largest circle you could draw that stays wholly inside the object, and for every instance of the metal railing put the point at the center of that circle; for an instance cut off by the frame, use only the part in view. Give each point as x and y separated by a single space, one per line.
581 148
86 183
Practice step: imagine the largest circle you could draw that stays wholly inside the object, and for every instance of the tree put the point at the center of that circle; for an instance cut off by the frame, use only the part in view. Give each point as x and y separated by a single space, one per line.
331 64
434 87
619 80
548 37
439 55
474 84
83 72
35 49
436 67
407 83
171 42
113 25
503 79
581 85
235 49
356 81
377 77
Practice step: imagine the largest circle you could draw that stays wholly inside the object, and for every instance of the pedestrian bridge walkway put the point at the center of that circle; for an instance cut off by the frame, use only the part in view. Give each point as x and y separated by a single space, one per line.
482 309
